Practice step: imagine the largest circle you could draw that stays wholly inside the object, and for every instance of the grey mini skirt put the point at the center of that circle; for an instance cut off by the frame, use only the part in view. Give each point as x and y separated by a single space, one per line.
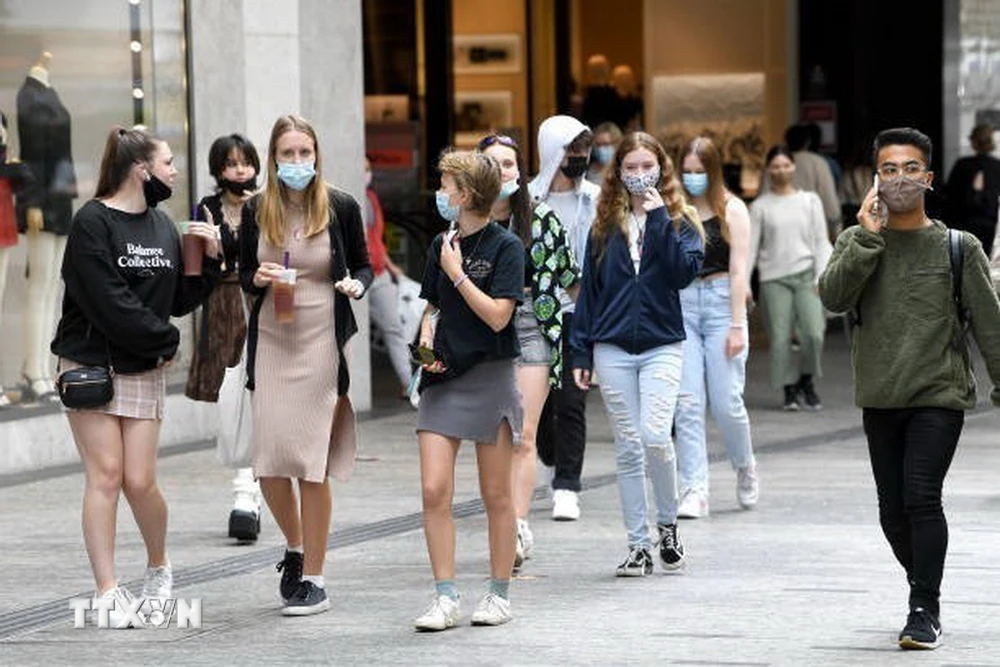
473 405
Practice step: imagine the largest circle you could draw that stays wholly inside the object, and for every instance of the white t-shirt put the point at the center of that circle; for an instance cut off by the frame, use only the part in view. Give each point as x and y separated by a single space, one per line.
636 232
566 205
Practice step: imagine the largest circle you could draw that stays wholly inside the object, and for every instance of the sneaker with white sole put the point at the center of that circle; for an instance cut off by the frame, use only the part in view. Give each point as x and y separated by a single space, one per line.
525 545
492 610
638 563
747 486
158 582
117 618
671 549
922 631
693 505
441 614
307 599
565 505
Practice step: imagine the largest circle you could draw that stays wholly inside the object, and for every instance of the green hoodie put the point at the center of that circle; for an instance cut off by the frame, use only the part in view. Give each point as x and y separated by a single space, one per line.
900 282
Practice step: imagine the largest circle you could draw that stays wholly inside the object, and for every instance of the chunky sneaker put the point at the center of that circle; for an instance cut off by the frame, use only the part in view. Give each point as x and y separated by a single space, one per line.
117 618
291 574
157 584
244 520
565 505
791 403
441 614
638 563
492 610
747 486
922 631
307 599
693 505
809 394
671 549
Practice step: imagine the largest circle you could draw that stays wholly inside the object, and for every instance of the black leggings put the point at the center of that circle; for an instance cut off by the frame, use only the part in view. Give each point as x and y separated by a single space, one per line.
911 450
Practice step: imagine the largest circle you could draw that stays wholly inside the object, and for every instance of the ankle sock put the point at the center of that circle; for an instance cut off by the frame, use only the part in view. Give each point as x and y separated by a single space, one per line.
296 550
316 580
446 587
500 587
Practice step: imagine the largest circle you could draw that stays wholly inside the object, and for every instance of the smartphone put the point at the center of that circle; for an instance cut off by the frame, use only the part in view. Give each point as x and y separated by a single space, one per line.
877 204
422 355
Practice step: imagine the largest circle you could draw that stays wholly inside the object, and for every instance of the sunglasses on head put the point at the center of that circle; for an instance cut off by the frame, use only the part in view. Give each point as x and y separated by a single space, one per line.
501 139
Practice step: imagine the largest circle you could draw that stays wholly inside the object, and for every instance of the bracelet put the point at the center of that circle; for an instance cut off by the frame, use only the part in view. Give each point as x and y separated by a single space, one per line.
737 325
461 279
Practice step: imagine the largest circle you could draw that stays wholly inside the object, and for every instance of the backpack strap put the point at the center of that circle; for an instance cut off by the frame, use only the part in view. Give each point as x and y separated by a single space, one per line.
955 255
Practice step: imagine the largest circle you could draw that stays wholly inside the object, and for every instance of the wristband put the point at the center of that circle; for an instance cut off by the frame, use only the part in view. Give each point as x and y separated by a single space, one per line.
737 325
461 279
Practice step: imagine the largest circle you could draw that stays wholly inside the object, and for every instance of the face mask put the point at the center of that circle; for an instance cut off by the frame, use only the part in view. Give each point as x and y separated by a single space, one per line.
782 178
508 189
155 191
902 194
447 211
238 188
639 183
296 175
575 167
604 154
695 184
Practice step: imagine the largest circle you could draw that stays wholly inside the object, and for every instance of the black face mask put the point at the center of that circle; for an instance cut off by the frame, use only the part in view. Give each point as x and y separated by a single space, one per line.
575 167
238 188
155 191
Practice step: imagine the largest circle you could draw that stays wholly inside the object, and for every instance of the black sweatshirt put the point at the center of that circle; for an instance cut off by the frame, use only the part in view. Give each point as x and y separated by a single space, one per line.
124 276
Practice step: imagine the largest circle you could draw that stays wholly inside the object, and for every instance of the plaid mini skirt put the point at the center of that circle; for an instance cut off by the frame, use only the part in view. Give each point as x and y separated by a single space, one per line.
137 395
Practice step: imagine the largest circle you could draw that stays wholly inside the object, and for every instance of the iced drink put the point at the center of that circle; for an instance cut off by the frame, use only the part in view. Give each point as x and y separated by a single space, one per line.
194 250
284 297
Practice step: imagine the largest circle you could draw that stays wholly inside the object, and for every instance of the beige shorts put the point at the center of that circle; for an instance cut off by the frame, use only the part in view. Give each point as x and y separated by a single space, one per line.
137 395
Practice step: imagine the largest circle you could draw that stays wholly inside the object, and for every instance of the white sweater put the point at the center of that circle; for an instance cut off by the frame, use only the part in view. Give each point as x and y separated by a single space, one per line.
788 235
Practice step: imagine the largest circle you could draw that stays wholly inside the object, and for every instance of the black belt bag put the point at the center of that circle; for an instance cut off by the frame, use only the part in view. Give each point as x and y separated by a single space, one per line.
86 387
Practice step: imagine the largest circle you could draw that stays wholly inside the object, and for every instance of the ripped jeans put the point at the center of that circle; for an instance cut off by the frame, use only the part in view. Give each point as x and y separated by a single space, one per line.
640 394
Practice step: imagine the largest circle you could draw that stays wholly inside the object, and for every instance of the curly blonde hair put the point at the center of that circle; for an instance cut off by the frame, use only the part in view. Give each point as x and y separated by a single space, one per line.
615 202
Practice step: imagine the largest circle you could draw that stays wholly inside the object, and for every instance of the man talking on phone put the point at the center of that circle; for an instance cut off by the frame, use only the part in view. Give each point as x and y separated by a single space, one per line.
913 295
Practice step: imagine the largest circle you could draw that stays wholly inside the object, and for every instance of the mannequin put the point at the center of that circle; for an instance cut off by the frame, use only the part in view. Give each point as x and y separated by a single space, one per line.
44 212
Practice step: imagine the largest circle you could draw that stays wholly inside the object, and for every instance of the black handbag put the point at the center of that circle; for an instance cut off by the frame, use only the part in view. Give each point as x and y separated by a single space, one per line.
87 387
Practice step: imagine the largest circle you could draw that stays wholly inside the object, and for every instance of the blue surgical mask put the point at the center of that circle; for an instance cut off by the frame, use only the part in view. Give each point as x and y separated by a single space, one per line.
604 153
447 211
296 175
695 184
508 189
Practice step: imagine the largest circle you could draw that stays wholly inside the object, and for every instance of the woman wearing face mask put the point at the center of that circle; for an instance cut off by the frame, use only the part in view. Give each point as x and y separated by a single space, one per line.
124 279
549 264
303 423
645 246
607 136
474 278
221 331
715 349
790 248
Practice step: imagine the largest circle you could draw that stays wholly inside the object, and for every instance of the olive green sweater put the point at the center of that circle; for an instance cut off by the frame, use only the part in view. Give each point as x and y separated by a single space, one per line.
900 283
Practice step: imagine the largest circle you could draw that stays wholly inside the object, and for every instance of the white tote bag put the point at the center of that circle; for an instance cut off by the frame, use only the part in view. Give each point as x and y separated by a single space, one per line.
233 444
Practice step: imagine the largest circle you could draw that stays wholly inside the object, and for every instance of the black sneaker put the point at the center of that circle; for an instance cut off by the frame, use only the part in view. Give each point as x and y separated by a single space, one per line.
809 394
639 563
791 403
922 631
244 525
291 574
307 599
671 549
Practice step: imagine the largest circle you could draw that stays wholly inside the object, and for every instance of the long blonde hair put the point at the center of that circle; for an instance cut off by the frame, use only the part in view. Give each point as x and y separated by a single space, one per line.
614 205
271 212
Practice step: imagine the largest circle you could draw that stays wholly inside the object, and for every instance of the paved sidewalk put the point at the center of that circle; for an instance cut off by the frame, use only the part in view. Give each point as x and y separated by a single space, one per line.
805 579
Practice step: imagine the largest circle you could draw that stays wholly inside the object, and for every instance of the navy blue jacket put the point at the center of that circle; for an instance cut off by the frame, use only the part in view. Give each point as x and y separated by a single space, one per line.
636 312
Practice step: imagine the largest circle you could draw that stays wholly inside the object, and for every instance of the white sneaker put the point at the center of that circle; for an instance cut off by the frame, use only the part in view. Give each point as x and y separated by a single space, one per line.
158 582
747 486
693 505
117 618
527 538
565 505
441 614
492 610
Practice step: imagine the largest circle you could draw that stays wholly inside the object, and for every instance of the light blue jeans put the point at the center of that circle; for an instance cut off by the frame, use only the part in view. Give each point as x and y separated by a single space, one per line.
640 392
710 376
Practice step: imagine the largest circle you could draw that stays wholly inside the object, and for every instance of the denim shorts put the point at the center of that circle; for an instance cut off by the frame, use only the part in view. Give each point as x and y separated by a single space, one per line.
535 347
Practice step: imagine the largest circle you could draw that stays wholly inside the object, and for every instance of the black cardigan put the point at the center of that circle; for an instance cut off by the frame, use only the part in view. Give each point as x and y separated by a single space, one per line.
349 253
230 246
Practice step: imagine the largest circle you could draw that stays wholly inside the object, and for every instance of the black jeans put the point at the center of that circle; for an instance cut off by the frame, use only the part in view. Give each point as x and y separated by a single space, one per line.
562 429
911 450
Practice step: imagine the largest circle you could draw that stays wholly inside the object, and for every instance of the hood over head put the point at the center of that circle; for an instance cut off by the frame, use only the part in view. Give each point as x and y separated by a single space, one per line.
554 134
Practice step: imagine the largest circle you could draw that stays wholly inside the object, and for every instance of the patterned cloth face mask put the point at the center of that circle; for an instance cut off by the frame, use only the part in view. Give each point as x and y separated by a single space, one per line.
639 183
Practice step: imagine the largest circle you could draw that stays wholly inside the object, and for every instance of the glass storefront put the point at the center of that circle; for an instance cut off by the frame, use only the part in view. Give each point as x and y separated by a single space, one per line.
69 71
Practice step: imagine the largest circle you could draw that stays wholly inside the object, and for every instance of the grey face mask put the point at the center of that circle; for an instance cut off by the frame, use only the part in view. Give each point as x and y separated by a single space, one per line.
902 194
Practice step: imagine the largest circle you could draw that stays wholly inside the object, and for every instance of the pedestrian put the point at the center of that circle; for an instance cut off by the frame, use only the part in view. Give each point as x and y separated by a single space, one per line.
790 248
600 101
220 335
974 188
474 278
303 422
716 342
563 153
812 174
383 295
646 245
914 288
549 265
628 103
124 274
607 136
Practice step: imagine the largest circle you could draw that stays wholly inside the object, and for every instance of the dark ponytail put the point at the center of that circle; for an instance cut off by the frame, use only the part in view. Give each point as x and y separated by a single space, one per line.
123 149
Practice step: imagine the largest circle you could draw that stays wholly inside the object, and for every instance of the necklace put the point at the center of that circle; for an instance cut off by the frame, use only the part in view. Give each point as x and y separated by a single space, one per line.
482 233
231 215
640 228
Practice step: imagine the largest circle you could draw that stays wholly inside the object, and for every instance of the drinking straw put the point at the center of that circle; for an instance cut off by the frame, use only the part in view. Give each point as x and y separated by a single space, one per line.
284 259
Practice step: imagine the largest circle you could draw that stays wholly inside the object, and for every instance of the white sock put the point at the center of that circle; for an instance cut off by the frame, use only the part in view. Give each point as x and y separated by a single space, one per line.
298 549
316 580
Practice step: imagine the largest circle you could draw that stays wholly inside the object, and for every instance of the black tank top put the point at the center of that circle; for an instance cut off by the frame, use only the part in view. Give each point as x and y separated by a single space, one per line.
716 249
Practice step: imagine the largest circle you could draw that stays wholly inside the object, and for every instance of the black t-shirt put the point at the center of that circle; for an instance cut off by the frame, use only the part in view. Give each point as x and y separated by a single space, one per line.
494 261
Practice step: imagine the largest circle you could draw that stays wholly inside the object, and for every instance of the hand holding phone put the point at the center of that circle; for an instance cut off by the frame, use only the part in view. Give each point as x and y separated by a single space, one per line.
426 358
869 213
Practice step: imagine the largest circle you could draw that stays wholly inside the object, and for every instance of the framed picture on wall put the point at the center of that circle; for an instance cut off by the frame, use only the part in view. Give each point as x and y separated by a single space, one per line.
487 54
477 113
